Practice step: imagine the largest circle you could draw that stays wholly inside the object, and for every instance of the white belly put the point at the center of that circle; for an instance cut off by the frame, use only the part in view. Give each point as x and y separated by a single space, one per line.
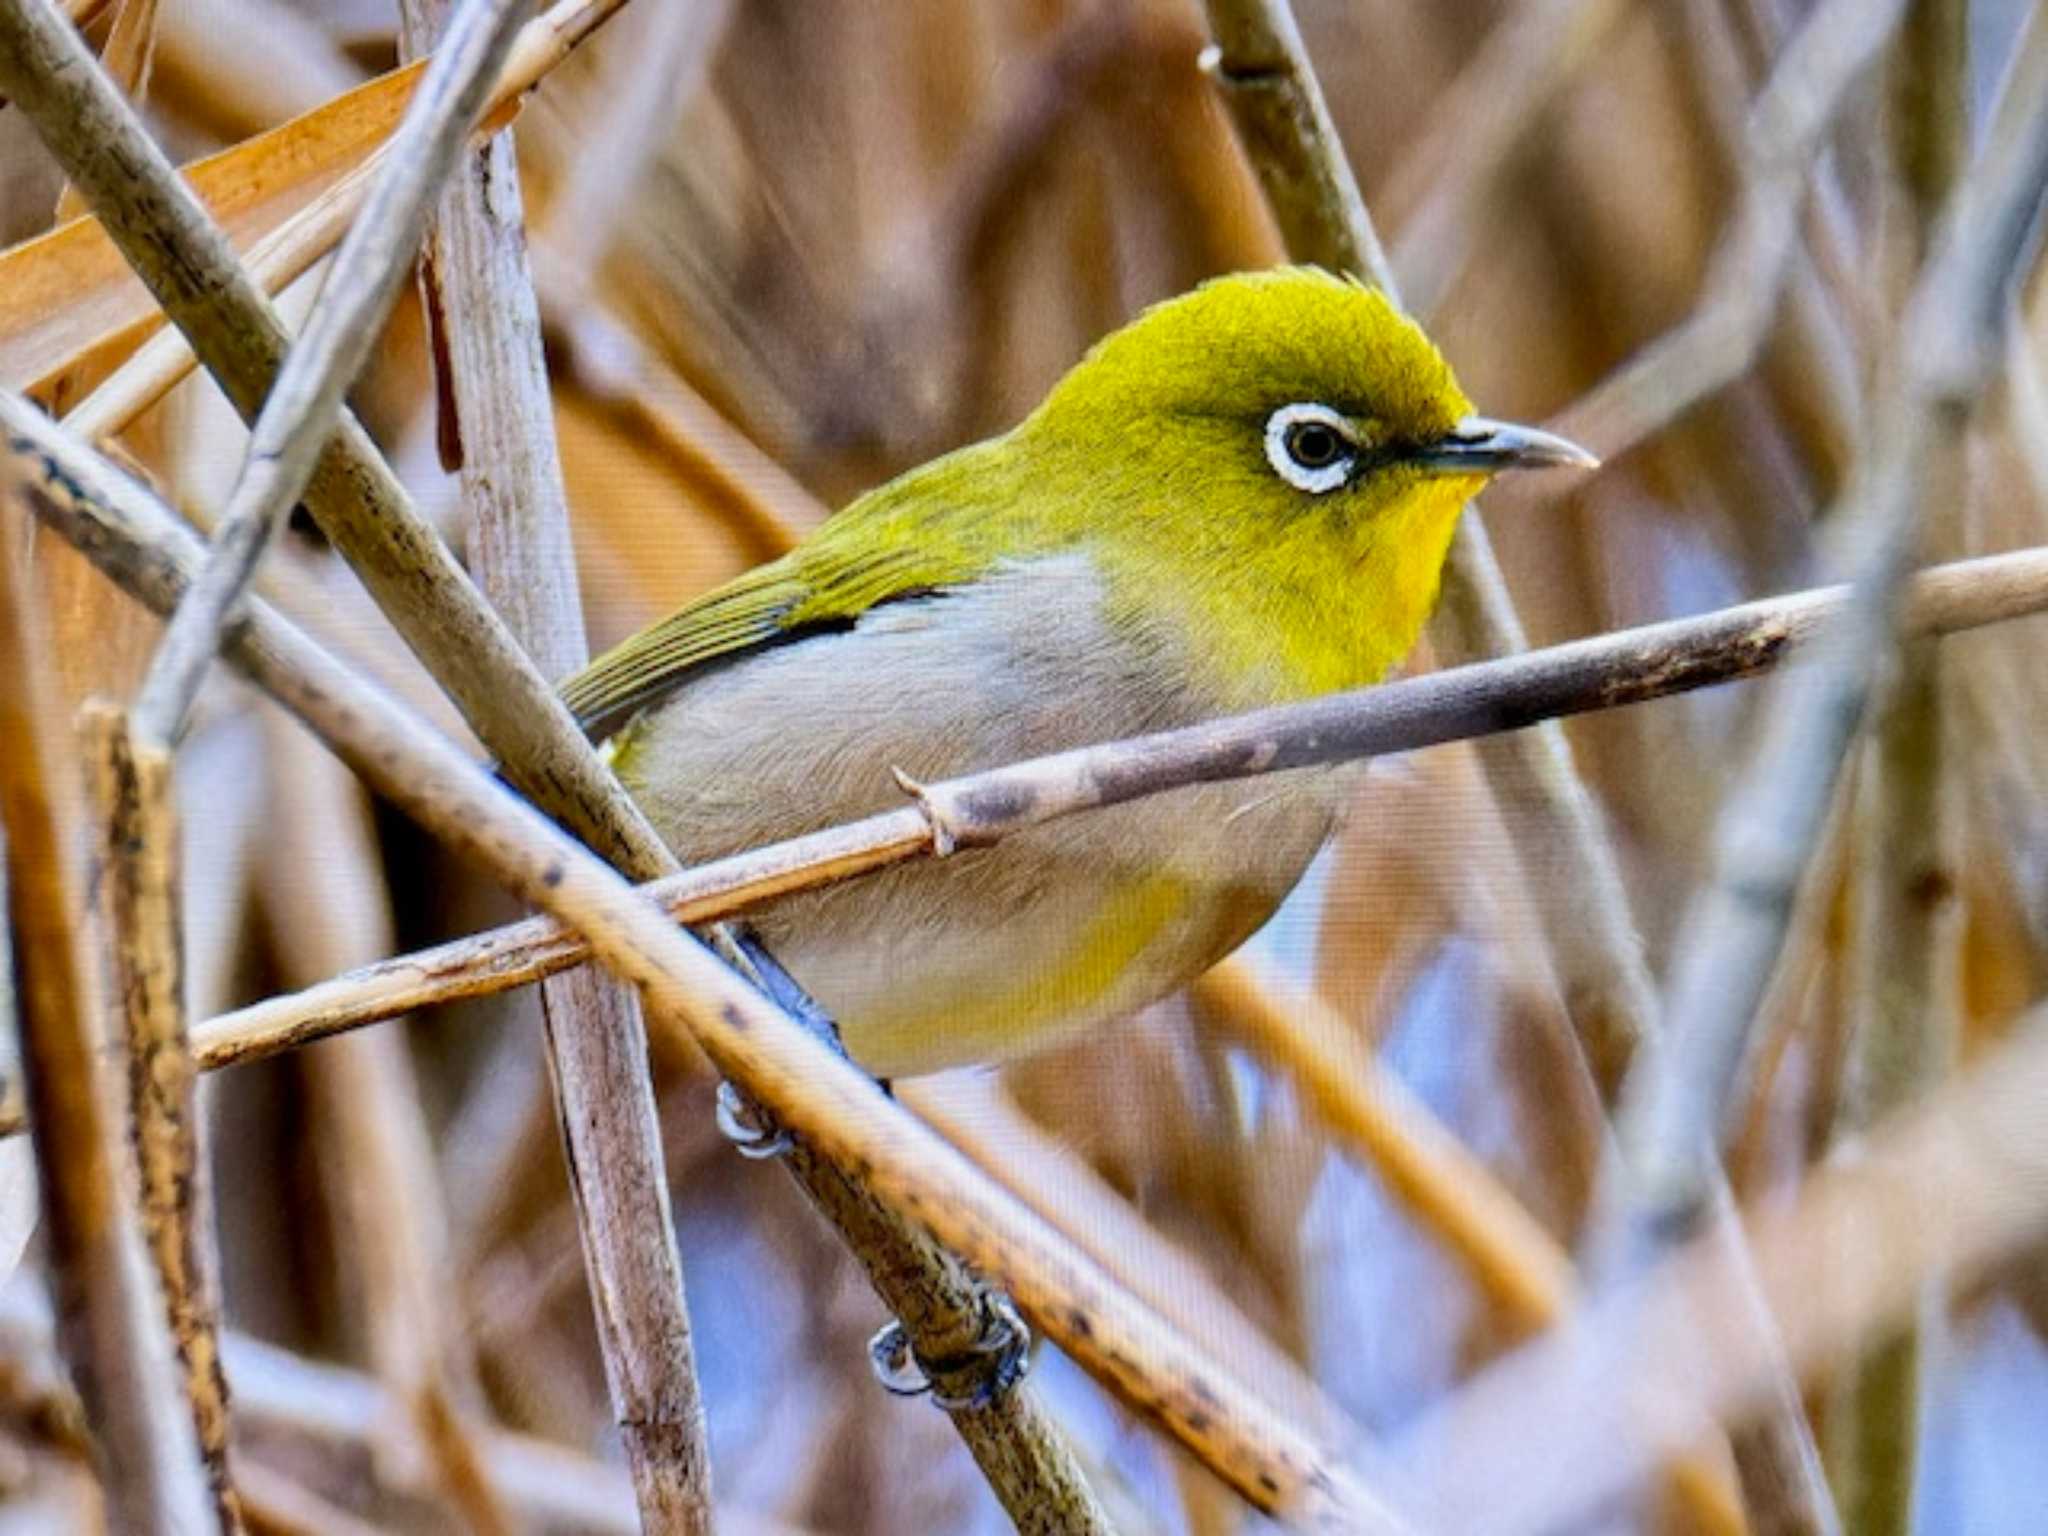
993 951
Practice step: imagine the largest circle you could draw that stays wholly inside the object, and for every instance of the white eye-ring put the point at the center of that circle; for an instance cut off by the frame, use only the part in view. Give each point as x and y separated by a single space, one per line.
1310 446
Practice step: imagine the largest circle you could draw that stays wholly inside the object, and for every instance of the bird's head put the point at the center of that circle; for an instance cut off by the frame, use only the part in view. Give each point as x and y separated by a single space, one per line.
1292 446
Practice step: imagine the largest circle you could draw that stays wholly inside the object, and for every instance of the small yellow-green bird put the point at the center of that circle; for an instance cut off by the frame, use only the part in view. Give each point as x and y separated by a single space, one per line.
1243 497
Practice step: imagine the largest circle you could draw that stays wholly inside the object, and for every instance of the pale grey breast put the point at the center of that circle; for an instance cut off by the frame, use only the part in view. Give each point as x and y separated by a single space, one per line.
973 956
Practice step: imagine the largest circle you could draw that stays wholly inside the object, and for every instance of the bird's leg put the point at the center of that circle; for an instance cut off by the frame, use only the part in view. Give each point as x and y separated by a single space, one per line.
1000 1355
745 1124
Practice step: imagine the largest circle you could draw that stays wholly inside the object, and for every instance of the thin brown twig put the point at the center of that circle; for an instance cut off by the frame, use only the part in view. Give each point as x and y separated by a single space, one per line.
1272 93
1628 667
110 1319
816 1094
140 885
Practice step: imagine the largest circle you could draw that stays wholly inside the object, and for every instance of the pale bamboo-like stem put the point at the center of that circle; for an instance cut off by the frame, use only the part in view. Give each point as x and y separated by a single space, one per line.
1908 917
325 902
1542 1439
305 400
140 886
1591 936
828 1104
111 1325
498 428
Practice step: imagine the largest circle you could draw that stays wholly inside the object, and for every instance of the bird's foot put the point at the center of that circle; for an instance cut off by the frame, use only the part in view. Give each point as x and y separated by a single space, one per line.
991 1366
747 1126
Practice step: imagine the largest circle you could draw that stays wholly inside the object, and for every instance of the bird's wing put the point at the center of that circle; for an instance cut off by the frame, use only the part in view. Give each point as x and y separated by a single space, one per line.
828 583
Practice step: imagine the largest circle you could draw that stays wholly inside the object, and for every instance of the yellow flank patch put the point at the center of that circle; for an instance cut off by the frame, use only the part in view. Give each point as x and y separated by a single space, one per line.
1039 996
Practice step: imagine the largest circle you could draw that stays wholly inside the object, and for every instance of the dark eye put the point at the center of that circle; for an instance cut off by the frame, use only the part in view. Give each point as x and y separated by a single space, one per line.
1313 445
1310 446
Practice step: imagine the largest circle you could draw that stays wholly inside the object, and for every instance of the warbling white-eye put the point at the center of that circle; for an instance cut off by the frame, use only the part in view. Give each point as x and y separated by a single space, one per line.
1243 497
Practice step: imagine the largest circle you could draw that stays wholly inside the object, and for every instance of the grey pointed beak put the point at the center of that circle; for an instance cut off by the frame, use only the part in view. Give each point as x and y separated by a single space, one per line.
1479 446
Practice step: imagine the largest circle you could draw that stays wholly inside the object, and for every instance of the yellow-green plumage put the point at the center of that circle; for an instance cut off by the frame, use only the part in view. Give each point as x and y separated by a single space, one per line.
1130 556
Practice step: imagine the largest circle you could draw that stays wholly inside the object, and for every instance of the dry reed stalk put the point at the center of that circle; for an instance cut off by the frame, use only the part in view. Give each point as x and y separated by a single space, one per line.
325 901
140 876
497 427
1908 917
110 1315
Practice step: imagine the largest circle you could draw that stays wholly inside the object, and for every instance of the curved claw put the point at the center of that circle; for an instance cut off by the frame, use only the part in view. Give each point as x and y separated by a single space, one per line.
895 1363
991 1366
751 1133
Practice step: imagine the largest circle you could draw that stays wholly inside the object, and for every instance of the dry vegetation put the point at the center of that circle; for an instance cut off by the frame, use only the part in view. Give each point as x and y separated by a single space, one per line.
1408 1220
